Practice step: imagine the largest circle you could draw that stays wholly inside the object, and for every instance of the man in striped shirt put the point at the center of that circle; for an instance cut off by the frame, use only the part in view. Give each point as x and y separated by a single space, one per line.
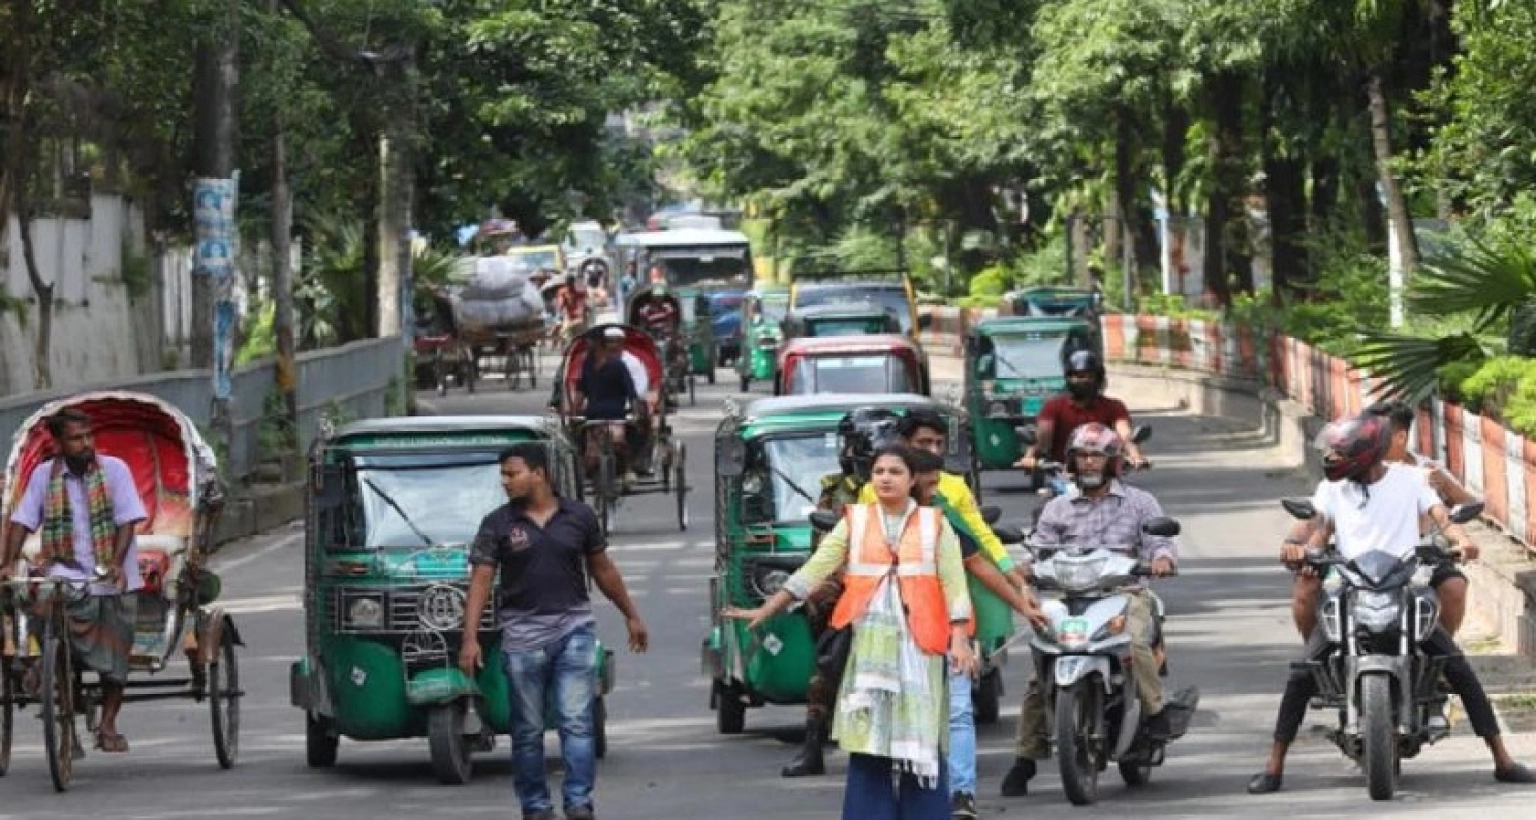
1100 511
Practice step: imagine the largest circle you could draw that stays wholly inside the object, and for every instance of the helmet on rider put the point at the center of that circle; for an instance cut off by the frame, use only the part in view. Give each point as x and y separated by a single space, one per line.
860 433
1094 439
1085 375
1351 447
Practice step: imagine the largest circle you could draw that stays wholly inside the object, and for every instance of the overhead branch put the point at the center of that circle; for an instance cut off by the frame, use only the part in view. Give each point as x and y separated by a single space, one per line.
375 61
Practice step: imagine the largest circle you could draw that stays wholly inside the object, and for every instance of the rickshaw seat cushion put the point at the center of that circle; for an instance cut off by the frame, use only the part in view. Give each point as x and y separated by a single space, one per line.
154 566
169 544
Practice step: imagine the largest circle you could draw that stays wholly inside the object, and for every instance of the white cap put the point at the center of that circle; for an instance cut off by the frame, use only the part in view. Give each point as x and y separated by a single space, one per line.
614 333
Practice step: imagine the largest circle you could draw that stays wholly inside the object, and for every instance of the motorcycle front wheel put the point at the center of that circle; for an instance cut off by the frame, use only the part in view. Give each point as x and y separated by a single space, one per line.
1077 712
1380 735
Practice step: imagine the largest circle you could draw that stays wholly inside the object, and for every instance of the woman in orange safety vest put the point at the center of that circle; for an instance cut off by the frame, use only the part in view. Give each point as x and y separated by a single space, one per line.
905 600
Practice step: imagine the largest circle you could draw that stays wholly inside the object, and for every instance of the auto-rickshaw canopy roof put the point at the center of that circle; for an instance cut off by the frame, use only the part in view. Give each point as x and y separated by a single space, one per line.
1005 325
447 432
862 343
823 411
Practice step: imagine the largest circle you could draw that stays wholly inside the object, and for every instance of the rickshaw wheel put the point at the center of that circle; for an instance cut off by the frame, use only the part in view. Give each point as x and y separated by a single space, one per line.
512 370
746 383
58 709
605 487
450 752
7 713
680 468
224 699
533 367
693 400
600 727
711 374
319 745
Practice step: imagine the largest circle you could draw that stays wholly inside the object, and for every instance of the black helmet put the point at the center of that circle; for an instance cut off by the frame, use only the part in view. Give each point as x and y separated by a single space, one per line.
1085 361
860 433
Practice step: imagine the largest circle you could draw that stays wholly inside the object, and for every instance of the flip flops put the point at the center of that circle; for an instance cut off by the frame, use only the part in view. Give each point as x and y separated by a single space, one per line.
111 742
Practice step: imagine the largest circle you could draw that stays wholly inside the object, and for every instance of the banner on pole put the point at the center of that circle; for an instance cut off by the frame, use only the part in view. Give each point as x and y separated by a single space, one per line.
213 255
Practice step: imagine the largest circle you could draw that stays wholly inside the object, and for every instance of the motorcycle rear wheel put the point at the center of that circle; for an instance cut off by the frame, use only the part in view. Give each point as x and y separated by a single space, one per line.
1380 736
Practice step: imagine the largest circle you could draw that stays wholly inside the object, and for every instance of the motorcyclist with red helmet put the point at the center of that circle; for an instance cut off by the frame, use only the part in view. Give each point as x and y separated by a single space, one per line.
1366 504
1083 402
1100 511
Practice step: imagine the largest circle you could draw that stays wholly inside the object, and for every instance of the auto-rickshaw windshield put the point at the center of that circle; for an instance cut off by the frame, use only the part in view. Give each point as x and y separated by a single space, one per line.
796 465
441 498
874 373
893 298
1034 356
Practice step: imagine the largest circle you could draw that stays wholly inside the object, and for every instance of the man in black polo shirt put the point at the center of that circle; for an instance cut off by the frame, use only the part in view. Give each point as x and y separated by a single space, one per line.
544 546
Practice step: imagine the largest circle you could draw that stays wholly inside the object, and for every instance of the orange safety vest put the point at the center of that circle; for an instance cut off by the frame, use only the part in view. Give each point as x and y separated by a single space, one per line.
915 564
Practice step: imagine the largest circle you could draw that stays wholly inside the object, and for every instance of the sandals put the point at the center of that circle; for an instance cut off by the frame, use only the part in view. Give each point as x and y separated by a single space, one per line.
111 742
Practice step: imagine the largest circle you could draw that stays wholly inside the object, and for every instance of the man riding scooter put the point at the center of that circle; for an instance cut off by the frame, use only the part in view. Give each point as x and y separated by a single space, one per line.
1083 403
1100 511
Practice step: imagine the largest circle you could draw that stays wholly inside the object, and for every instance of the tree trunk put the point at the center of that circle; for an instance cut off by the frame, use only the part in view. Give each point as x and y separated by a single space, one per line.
391 231
214 140
1175 130
1285 201
19 156
1226 218
282 285
1325 193
1397 203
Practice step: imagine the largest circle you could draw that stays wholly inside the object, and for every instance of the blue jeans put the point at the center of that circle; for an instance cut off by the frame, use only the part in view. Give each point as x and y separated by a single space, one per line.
567 666
869 795
962 736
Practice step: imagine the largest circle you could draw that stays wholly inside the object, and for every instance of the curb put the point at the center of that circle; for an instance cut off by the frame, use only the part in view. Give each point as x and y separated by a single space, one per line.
262 509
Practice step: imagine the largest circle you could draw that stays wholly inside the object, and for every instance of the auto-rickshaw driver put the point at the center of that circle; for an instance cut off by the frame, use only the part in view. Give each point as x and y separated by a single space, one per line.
613 381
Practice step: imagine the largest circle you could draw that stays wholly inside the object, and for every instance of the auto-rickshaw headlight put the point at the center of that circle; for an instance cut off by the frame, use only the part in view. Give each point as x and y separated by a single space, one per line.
752 484
770 580
366 613
998 408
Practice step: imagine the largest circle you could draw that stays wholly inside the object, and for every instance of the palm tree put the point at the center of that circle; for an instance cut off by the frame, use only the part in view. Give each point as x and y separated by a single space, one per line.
1494 284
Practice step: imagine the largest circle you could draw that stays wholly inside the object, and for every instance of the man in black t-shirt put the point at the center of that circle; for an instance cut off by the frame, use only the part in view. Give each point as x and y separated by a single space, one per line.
544 546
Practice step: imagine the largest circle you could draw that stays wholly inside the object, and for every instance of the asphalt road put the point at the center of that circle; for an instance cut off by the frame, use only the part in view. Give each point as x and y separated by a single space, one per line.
1229 634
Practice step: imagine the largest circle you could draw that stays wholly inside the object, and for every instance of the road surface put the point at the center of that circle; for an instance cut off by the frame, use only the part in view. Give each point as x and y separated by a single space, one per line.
1229 633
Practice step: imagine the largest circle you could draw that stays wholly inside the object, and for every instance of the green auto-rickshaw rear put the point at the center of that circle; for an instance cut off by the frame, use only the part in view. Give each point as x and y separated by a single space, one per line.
1012 365
393 506
762 314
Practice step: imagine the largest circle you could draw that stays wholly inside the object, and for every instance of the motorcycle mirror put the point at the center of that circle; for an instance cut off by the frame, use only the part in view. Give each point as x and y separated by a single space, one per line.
730 457
1008 533
1162 527
1141 433
1462 513
1300 509
823 520
990 514
1027 435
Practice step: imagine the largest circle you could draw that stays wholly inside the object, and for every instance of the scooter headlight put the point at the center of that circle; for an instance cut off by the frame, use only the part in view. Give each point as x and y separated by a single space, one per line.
1076 574
1376 611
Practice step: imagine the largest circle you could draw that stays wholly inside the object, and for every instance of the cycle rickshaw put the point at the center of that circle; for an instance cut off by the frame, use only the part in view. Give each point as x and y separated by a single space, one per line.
670 338
661 455
176 476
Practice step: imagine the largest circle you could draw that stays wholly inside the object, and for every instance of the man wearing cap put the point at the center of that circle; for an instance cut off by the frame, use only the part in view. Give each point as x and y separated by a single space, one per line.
612 381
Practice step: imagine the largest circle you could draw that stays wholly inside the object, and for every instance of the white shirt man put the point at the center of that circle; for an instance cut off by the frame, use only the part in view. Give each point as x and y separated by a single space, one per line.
1381 516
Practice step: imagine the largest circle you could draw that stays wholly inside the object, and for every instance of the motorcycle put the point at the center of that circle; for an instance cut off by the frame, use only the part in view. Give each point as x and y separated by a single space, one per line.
1083 662
1377 612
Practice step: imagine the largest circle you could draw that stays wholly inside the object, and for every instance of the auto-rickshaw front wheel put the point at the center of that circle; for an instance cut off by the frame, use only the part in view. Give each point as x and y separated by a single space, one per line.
450 748
319 744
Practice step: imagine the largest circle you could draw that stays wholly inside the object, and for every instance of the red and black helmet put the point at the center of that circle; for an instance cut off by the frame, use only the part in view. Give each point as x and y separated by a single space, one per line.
1352 446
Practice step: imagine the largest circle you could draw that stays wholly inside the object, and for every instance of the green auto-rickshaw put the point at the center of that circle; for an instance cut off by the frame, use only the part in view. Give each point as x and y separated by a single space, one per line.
770 458
1054 302
762 311
1012 365
393 505
703 349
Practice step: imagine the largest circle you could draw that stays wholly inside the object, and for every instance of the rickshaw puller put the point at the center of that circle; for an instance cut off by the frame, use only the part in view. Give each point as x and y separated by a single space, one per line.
612 382
86 507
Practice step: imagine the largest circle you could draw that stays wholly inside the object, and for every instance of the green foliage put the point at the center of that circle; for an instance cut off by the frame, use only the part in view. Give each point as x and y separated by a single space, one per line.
137 273
260 338
1504 387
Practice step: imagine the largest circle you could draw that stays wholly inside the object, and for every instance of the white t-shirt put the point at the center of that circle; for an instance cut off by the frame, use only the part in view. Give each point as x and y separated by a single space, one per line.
637 373
1382 516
